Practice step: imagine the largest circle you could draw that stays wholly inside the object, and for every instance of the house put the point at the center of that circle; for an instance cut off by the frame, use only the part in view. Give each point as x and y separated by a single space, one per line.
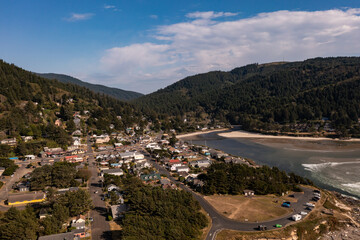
74 234
115 172
182 169
79 222
150 177
30 157
173 166
112 187
102 138
118 211
27 138
200 163
9 141
2 169
25 198
248 192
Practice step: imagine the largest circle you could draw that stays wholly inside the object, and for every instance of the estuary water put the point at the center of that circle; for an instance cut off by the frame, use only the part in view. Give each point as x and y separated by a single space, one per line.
332 165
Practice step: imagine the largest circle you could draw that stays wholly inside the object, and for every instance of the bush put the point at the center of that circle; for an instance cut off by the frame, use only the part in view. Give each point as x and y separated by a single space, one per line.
109 218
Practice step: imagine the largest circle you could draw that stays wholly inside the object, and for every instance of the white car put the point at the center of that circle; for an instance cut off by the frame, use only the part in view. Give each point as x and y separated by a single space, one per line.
303 213
310 205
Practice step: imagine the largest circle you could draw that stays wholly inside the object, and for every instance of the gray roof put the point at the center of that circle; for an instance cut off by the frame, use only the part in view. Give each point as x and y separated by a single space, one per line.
62 236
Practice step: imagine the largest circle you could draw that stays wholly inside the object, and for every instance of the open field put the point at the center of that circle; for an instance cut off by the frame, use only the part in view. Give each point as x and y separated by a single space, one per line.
250 209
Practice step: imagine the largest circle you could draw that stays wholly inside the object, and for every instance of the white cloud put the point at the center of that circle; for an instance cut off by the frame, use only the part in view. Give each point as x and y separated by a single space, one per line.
79 17
210 14
154 16
205 44
109 7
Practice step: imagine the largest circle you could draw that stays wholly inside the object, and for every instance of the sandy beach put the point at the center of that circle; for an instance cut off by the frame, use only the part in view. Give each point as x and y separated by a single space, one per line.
201 132
244 134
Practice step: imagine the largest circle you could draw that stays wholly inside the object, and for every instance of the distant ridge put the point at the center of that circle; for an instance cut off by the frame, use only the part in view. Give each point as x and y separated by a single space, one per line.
114 92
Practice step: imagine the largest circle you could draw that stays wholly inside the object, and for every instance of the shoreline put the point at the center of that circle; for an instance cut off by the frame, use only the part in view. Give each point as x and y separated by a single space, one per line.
201 132
244 134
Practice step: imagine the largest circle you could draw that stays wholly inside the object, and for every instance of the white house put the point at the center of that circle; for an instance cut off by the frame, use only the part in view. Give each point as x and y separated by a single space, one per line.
174 166
182 169
112 187
30 157
116 172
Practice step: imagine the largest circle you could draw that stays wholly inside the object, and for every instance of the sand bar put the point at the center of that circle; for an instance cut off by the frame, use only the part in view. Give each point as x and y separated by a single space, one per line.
244 134
201 132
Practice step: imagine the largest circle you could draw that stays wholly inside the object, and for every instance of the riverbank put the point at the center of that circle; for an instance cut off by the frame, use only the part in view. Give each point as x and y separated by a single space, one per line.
201 132
244 134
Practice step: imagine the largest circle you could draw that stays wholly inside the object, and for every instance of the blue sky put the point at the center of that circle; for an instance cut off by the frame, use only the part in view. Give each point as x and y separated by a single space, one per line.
146 45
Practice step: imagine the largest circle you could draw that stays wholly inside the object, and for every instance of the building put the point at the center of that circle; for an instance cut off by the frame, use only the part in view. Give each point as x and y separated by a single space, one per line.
112 187
25 198
116 172
27 138
9 141
118 211
75 234
201 163
30 157
79 222
182 169
102 138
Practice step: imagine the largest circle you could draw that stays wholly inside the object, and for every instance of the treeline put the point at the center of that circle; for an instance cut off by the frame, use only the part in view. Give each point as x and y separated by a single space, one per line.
160 214
268 96
222 178
25 224
60 175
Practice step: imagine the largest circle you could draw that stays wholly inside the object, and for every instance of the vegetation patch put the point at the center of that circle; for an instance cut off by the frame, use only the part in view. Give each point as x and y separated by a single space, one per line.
252 209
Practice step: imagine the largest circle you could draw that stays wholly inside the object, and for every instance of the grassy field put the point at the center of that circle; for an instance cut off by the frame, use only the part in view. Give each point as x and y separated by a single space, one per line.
251 209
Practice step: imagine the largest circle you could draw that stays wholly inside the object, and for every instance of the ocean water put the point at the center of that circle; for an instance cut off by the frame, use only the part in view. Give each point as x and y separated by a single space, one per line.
333 170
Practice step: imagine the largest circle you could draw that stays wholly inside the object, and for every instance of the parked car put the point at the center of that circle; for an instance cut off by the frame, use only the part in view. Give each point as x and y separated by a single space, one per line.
278 226
262 228
96 191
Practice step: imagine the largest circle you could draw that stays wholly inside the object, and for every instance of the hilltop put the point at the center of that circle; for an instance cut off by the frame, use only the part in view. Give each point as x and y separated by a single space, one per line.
114 92
320 96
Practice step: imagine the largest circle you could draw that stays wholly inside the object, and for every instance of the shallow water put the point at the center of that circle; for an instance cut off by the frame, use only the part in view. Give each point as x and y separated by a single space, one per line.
324 162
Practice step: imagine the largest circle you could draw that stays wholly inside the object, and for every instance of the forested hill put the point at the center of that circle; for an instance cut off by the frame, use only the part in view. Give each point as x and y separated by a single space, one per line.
276 96
30 105
114 92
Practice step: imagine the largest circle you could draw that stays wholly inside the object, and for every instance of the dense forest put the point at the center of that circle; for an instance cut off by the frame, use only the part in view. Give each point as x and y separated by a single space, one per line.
158 214
222 178
114 92
278 96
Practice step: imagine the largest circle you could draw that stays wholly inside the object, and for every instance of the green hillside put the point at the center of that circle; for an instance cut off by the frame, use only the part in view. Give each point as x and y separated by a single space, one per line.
114 92
280 97
30 105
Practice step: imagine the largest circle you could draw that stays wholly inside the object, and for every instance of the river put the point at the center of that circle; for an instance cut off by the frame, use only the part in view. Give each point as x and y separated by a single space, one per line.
329 164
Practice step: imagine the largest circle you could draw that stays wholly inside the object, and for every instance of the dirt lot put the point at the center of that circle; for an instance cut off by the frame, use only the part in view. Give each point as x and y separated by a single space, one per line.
251 209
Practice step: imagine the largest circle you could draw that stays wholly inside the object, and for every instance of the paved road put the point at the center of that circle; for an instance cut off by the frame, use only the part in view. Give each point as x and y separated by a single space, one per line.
220 222
100 228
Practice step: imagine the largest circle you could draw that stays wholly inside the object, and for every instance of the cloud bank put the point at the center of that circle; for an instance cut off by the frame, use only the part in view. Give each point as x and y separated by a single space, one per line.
204 43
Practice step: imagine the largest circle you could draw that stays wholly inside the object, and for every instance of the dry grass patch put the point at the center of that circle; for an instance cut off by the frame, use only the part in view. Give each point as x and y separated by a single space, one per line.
115 229
251 209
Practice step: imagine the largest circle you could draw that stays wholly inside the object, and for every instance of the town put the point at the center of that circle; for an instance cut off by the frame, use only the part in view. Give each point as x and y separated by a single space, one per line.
94 165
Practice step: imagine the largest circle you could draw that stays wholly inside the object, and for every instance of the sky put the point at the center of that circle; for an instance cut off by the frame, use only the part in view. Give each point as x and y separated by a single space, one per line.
145 45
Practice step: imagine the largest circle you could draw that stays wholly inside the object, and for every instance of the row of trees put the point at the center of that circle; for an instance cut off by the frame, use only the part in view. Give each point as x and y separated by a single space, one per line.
9 165
222 178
